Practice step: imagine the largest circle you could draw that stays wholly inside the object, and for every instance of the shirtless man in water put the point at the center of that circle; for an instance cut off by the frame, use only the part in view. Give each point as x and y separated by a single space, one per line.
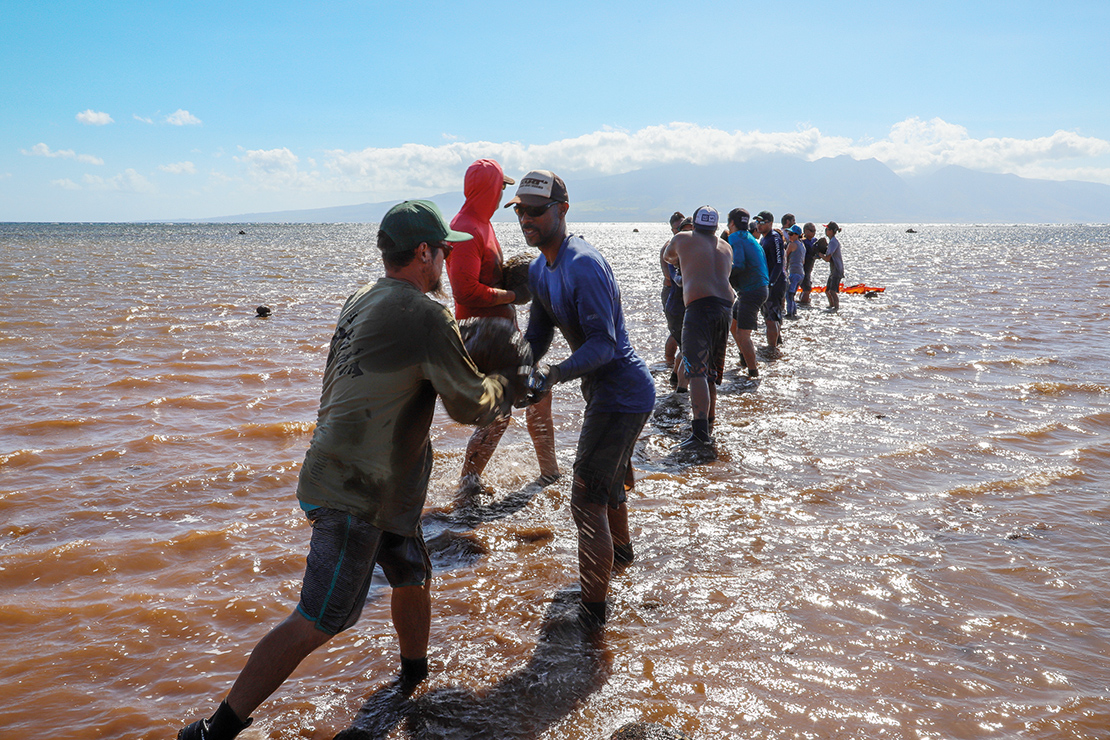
705 262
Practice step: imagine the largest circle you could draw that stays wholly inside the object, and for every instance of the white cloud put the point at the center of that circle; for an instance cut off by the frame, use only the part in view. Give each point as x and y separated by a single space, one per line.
42 150
128 181
94 118
179 168
913 146
269 160
65 184
137 117
278 169
182 118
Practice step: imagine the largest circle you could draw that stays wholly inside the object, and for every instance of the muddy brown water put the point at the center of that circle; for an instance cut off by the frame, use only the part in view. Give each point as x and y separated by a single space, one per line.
902 536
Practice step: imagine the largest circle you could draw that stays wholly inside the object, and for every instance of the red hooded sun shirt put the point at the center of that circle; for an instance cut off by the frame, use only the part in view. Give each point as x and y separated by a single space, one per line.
474 266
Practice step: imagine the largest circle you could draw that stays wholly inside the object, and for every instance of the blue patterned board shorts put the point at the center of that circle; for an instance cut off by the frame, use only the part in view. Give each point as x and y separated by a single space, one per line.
340 567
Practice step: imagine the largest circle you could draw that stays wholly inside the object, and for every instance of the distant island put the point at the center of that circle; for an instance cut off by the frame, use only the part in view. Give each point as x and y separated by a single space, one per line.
832 189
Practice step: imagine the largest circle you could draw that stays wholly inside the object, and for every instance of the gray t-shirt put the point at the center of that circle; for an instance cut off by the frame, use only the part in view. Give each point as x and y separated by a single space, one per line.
796 260
836 257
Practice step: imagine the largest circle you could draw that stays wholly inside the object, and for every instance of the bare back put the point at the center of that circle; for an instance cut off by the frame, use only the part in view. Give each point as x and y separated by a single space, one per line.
705 261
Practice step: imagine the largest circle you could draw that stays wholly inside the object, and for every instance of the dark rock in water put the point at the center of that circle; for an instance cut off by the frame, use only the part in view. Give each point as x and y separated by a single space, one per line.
242 232
263 311
635 231
514 277
648 731
911 231
496 346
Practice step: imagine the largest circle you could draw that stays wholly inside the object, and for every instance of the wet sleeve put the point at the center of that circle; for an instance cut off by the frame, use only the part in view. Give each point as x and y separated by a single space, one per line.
595 298
469 396
464 270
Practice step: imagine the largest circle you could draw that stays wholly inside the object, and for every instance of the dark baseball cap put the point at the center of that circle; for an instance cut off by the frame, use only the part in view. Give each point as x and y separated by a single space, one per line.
412 222
765 217
739 218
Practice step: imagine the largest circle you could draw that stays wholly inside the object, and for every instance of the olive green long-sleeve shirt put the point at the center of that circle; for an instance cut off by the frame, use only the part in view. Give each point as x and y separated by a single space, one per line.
393 352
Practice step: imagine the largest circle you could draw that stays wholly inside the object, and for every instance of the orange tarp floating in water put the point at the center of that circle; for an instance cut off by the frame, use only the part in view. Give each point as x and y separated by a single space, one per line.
852 289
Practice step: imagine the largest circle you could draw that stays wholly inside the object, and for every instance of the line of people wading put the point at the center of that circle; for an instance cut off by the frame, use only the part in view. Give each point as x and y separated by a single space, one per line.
714 286
395 350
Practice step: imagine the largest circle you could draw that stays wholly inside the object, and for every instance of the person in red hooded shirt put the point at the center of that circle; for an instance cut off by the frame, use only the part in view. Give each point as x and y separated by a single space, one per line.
474 269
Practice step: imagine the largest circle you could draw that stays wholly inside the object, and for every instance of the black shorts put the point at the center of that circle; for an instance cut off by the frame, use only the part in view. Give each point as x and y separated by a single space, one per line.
776 295
833 284
674 324
746 309
341 562
705 338
603 462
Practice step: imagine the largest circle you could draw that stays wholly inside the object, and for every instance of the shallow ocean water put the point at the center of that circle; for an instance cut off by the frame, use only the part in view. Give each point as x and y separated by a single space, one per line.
901 536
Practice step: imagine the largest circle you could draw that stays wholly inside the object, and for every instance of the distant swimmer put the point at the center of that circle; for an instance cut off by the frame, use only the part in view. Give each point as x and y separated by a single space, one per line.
574 290
365 475
705 261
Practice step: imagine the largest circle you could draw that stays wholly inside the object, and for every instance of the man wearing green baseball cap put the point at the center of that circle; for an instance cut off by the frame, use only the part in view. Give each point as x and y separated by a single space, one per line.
365 475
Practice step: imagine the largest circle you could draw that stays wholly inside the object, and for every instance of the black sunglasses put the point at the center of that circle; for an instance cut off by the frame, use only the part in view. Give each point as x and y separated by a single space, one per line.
532 211
445 247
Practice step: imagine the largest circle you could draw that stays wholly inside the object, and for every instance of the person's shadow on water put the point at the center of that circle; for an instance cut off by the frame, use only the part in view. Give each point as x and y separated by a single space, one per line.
569 663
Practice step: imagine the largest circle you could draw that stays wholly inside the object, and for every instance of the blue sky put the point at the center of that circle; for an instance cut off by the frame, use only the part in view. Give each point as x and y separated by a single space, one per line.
165 110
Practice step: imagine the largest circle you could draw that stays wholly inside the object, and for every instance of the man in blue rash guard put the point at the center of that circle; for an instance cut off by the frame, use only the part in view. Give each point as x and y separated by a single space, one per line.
574 290
749 279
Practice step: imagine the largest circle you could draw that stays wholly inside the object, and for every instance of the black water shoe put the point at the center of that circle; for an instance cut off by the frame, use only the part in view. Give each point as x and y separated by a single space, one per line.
223 725
413 672
623 554
591 615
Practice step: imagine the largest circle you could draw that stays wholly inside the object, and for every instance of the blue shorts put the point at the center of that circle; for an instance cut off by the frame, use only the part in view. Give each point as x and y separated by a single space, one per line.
340 566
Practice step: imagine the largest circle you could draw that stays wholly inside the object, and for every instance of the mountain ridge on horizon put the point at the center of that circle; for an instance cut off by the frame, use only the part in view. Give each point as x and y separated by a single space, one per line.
838 189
